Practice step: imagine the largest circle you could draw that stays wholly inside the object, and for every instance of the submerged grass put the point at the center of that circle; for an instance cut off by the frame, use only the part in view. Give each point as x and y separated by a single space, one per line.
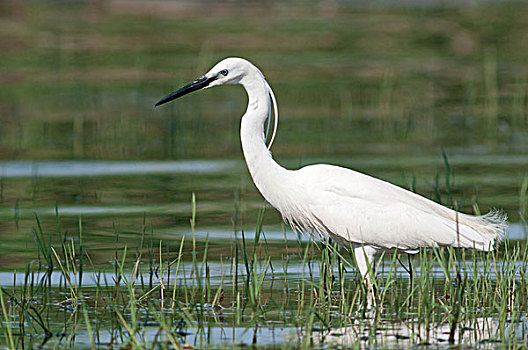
162 297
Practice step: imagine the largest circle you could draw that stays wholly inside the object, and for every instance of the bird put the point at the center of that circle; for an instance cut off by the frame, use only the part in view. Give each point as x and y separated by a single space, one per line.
362 213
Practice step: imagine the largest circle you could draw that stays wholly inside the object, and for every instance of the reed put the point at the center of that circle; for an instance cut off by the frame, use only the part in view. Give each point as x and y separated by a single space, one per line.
316 292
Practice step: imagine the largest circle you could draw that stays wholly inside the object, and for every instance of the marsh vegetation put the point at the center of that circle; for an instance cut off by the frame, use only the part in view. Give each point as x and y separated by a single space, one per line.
121 226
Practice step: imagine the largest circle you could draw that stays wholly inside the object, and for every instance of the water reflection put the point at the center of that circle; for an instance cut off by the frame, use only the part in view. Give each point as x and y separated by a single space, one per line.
470 332
218 273
210 336
480 332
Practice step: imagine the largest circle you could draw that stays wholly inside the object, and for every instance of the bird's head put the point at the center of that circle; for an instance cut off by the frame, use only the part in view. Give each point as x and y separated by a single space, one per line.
228 71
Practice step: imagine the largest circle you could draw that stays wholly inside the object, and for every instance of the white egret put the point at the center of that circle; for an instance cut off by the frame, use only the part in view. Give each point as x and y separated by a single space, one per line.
356 210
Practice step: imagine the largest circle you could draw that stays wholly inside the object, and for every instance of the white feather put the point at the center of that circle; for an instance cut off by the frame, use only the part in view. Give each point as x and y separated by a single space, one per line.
275 113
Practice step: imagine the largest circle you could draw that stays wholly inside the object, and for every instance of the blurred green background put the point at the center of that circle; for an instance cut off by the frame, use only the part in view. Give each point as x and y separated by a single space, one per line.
380 87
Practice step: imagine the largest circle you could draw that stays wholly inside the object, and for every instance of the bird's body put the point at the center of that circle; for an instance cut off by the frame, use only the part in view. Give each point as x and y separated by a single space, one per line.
356 210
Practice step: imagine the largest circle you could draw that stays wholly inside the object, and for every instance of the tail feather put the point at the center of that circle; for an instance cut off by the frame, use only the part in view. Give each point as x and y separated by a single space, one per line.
481 232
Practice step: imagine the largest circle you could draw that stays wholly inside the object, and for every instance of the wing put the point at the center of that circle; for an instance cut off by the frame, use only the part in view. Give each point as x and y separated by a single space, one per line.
358 208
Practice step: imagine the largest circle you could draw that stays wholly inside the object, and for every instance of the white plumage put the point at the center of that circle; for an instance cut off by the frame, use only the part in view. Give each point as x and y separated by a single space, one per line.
354 209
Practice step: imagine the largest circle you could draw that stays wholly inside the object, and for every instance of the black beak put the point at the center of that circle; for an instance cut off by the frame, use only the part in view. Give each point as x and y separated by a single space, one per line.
198 84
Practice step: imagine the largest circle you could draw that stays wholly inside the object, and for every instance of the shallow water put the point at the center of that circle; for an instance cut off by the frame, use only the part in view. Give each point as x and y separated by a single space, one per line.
218 327
68 169
481 333
158 194
221 272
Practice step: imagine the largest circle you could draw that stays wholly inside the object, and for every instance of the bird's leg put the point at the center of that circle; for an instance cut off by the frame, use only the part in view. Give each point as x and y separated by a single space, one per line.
365 262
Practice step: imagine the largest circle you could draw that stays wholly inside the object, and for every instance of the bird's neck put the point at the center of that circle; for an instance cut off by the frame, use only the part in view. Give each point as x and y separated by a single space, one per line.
266 173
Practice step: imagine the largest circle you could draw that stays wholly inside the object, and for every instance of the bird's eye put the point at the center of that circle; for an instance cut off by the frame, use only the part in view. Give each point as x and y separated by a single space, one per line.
224 72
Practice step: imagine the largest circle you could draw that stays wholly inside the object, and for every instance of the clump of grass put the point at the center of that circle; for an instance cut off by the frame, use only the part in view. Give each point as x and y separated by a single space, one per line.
164 297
